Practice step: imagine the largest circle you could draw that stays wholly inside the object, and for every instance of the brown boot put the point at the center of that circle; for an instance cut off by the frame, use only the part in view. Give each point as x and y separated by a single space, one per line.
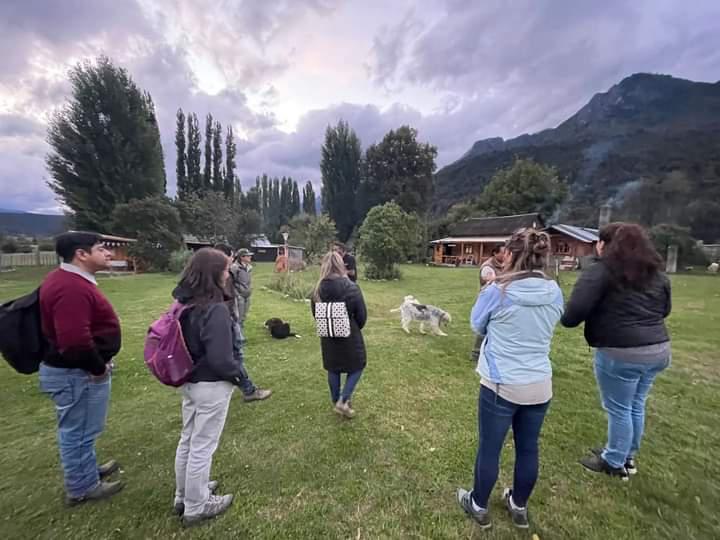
258 395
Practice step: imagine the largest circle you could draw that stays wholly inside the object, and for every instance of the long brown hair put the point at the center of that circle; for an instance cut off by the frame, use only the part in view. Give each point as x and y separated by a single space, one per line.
530 250
203 276
630 254
331 267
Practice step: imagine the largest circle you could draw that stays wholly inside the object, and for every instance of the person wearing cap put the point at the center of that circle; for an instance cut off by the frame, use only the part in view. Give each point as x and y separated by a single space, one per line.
238 298
240 272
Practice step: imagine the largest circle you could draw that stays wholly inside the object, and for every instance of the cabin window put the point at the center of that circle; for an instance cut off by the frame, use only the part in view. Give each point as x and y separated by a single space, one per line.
563 247
468 250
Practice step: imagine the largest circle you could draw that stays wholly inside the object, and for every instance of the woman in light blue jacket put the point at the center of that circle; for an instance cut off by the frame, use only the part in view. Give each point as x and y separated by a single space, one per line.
517 314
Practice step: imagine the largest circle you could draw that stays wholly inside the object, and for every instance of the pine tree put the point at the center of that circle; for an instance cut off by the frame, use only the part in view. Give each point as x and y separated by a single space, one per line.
230 151
237 194
207 172
193 155
217 174
105 145
285 200
308 203
265 194
295 207
340 168
180 163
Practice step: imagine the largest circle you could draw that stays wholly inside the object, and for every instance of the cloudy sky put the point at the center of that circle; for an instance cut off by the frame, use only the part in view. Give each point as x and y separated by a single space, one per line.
281 70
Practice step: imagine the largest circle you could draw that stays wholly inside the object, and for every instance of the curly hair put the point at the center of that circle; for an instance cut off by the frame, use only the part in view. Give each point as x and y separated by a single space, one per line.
630 254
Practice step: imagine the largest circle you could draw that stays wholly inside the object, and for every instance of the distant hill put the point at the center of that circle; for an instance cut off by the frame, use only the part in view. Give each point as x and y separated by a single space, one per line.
13 222
644 127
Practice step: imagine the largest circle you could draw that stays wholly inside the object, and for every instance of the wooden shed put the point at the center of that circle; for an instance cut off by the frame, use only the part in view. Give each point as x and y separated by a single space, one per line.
266 251
119 247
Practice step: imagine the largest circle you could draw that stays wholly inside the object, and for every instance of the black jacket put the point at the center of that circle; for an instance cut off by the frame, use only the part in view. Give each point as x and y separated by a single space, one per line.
207 331
344 354
618 316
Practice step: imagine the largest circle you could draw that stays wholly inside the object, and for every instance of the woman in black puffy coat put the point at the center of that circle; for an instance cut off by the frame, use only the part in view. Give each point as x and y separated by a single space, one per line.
342 354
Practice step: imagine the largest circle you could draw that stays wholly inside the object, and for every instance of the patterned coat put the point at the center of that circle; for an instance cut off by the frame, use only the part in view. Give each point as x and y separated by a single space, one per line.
344 355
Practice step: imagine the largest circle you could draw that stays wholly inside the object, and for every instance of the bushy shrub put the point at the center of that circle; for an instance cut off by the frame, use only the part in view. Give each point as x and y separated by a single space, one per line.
296 285
375 273
178 260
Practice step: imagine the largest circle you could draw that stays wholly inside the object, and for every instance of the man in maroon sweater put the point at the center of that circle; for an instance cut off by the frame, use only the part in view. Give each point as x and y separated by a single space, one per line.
84 335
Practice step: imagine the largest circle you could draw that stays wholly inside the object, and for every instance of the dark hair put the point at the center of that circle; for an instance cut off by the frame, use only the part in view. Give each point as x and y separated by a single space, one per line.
630 254
530 250
225 248
66 244
496 249
202 276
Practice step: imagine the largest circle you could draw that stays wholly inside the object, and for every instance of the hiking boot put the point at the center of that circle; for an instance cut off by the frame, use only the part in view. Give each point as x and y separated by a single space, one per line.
482 517
179 507
344 409
258 395
518 515
598 464
106 469
103 490
216 505
630 465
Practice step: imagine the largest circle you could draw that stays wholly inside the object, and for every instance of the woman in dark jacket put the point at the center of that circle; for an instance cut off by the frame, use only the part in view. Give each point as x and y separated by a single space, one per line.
342 355
207 331
623 299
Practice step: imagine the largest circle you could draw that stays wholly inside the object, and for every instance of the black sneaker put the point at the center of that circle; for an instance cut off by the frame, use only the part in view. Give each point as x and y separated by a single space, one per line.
597 464
482 517
519 516
630 465
107 469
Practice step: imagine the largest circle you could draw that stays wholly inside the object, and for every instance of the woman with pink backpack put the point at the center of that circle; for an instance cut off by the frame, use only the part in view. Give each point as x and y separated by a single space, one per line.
207 333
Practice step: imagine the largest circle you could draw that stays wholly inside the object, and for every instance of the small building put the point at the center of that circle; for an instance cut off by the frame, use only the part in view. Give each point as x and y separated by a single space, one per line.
470 242
193 243
572 241
266 251
119 247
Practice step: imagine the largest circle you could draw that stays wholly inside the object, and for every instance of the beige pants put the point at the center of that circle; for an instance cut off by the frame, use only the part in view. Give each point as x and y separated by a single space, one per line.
204 409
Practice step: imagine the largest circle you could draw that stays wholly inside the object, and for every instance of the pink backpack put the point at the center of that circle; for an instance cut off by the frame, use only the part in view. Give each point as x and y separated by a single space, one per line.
166 354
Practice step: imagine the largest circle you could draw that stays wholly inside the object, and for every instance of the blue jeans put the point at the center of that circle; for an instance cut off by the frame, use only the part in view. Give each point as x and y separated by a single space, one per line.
81 404
350 383
246 385
495 416
624 388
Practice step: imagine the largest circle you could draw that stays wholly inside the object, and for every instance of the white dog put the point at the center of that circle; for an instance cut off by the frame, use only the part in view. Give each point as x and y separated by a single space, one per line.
412 310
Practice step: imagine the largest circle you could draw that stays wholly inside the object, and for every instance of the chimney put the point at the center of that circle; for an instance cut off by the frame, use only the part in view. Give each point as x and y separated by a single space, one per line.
605 211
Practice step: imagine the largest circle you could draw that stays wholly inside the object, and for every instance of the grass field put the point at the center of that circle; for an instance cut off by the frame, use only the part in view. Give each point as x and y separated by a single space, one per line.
299 471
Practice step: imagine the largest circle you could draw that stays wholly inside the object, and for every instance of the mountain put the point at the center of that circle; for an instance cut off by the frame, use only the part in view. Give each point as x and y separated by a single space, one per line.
13 222
639 131
6 211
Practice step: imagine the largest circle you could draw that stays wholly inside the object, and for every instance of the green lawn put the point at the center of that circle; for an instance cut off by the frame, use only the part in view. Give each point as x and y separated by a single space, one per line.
299 471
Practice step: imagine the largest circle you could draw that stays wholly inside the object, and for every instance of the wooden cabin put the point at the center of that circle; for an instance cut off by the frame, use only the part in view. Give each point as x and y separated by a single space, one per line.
572 241
471 242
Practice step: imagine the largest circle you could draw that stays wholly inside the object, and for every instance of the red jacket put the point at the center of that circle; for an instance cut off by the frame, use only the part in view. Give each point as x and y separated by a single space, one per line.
78 322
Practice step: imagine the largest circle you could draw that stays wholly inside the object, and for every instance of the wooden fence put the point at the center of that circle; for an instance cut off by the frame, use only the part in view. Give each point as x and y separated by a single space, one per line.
38 258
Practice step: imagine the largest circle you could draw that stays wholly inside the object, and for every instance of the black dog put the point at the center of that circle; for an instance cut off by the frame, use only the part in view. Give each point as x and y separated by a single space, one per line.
279 329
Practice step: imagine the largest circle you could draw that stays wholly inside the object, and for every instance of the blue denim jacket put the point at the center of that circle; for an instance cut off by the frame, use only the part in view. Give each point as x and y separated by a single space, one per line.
517 320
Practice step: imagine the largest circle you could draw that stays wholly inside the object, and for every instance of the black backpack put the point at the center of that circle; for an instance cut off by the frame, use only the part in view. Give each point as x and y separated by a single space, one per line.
21 339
